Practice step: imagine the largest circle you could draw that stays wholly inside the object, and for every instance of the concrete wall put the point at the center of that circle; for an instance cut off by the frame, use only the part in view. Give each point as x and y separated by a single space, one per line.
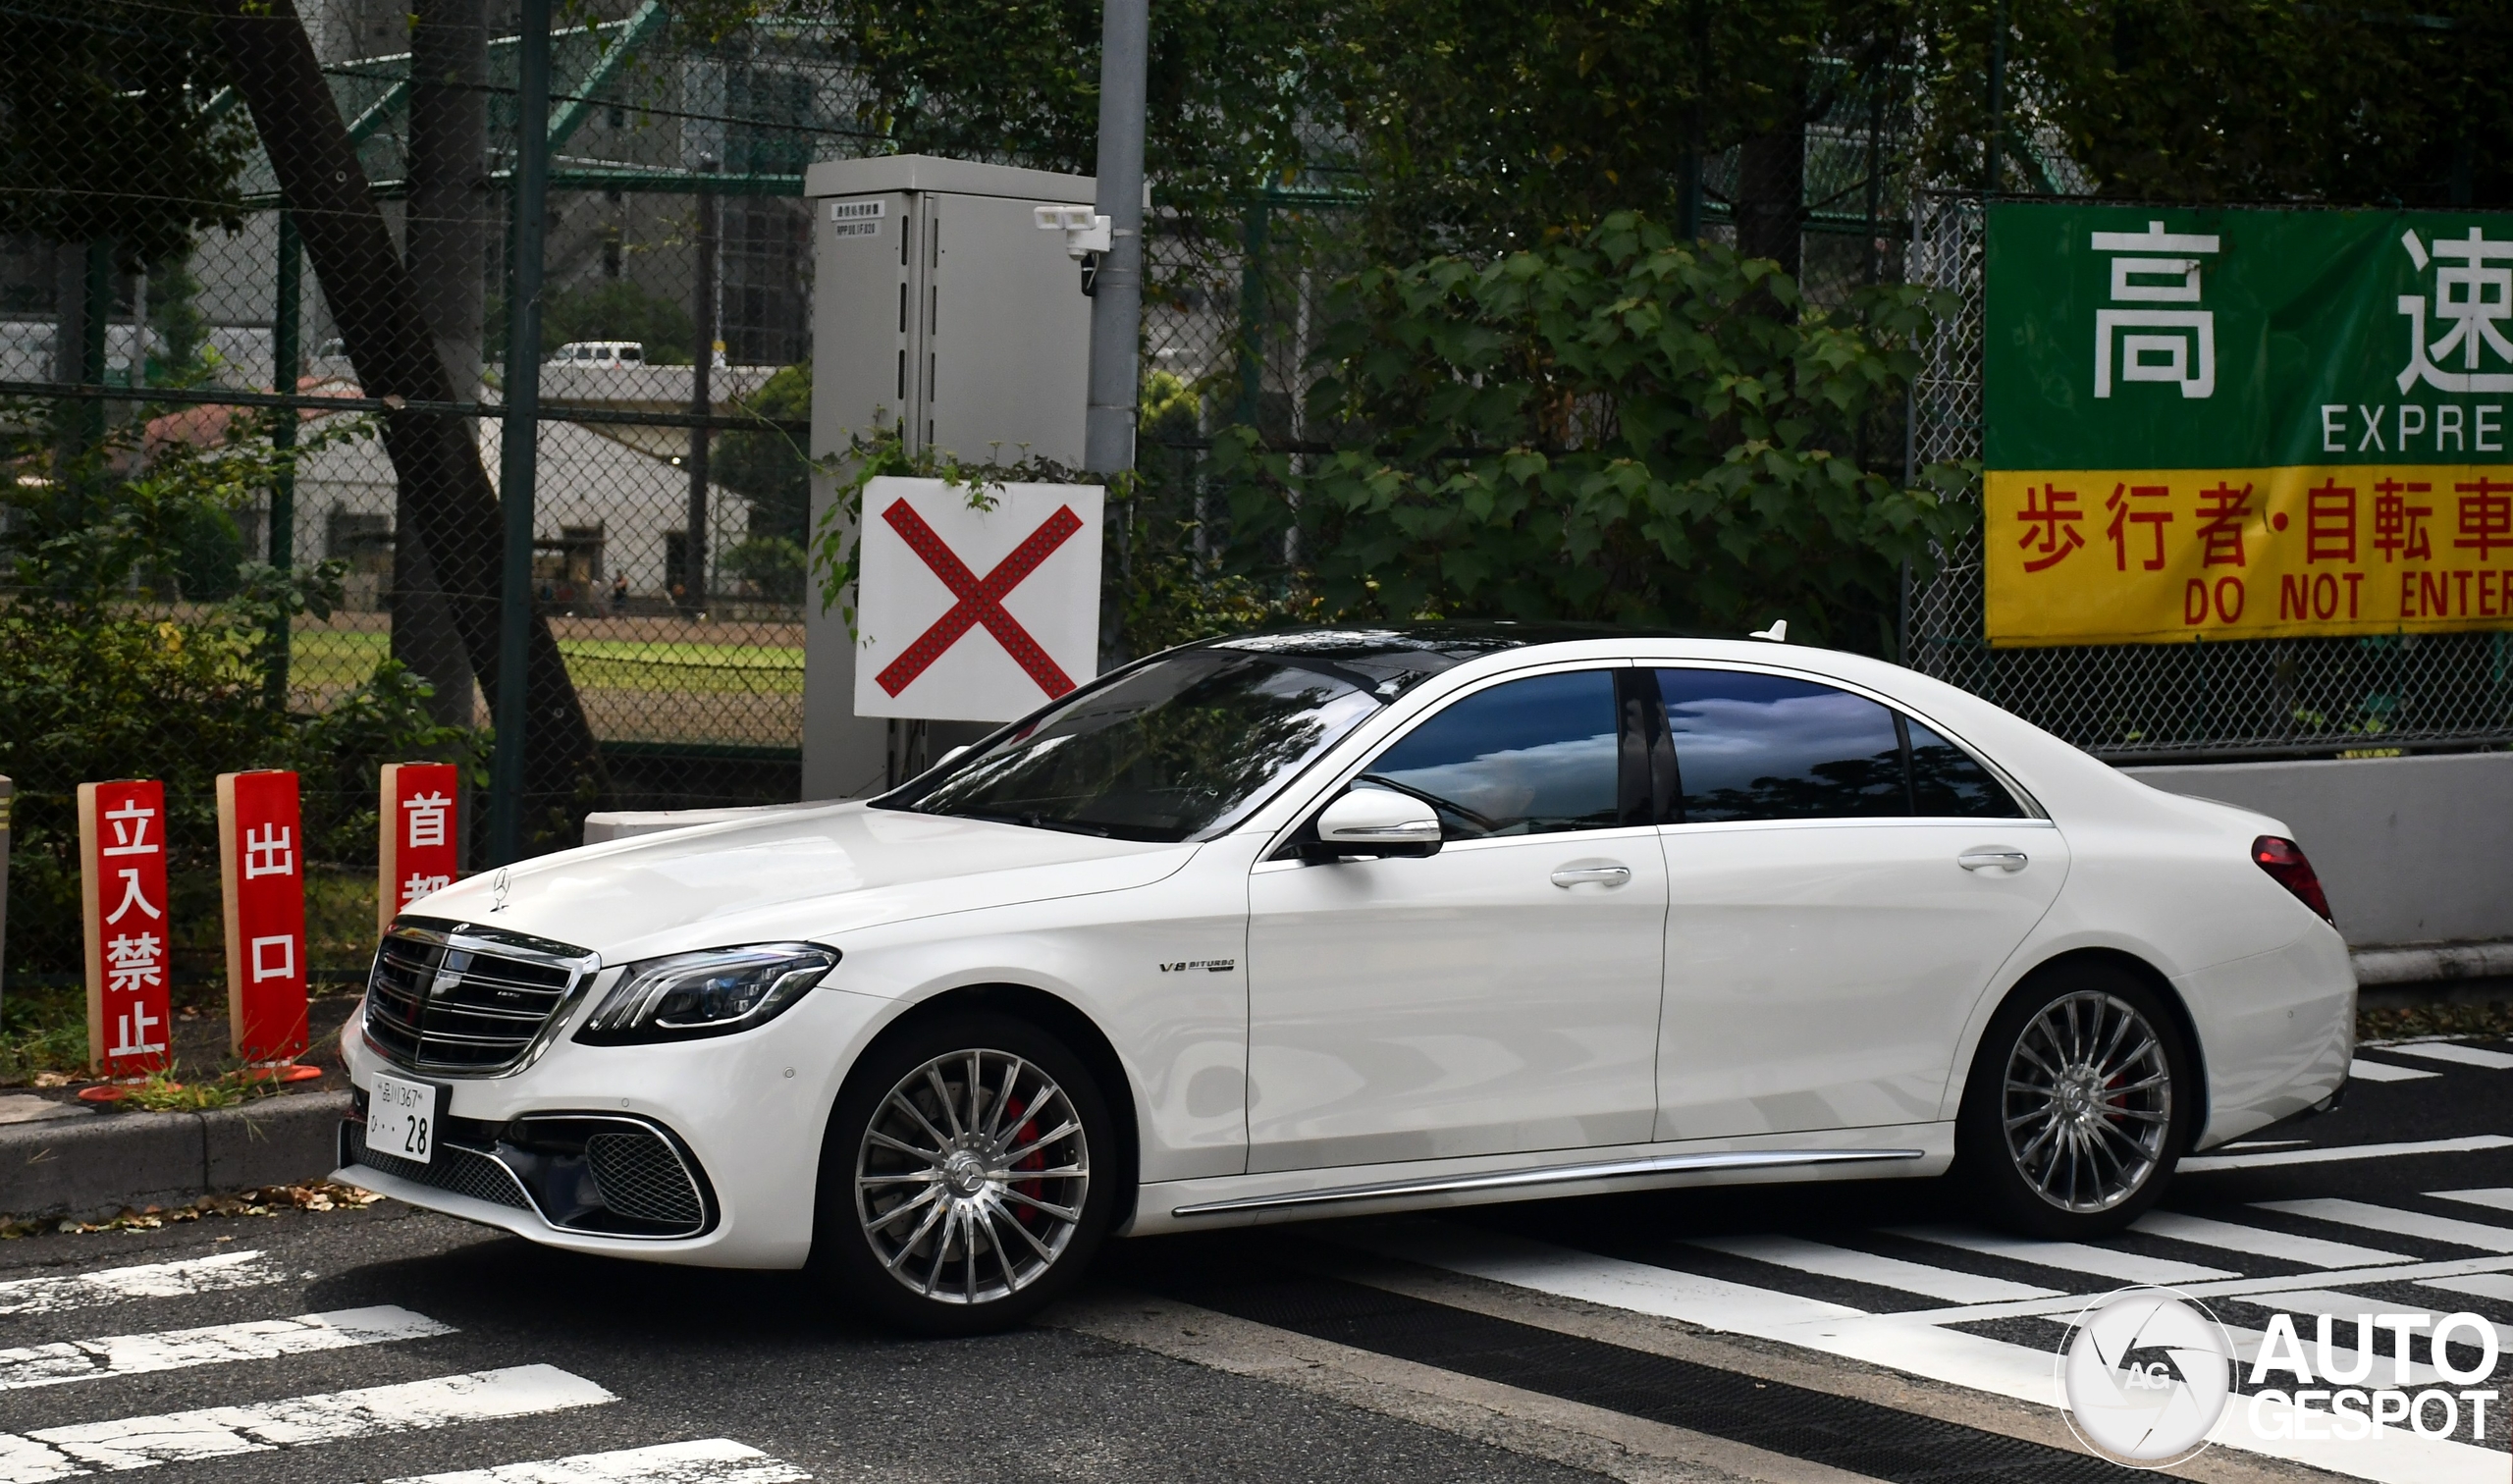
2412 850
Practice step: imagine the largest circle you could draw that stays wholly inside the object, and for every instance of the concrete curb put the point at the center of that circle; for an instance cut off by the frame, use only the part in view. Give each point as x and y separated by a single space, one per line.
2433 963
90 1167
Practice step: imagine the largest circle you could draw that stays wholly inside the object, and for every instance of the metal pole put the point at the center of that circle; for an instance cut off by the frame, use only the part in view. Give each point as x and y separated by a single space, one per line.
6 790
1998 96
287 365
693 561
1252 309
1875 177
1688 221
521 444
92 350
1116 300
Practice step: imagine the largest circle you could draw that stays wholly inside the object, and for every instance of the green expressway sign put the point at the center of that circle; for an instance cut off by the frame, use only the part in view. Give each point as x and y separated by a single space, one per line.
2222 423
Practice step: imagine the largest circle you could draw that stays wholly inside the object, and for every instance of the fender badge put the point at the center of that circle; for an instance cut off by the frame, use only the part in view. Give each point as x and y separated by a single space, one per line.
1210 965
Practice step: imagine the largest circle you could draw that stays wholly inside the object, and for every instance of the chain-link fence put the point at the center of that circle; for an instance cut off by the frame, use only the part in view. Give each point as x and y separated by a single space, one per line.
2249 698
215 358
182 382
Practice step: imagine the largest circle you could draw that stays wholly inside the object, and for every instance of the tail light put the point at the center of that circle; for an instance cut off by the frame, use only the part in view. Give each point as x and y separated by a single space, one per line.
2285 861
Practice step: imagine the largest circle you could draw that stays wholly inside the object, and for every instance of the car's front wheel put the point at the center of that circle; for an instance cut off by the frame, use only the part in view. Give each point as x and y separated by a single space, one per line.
958 1189
2079 1103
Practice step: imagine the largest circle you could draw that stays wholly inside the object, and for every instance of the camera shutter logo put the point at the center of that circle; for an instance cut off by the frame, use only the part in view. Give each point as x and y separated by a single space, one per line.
2148 1375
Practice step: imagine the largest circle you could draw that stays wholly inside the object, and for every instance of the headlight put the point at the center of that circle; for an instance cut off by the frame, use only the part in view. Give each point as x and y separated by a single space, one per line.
715 992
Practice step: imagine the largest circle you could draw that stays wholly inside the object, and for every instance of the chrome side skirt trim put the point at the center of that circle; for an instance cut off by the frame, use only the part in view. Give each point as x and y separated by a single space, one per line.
1612 1169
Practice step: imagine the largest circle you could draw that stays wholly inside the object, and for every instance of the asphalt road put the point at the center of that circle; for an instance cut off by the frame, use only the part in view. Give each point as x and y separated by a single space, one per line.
1809 1333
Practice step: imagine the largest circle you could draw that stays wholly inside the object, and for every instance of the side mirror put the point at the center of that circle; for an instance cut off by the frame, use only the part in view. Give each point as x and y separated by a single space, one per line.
1375 821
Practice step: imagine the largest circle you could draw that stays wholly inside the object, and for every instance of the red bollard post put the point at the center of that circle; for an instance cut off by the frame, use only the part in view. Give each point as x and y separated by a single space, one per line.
122 871
415 849
261 868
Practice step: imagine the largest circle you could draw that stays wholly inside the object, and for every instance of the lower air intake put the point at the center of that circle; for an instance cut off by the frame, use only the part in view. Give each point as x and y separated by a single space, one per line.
640 1176
454 1169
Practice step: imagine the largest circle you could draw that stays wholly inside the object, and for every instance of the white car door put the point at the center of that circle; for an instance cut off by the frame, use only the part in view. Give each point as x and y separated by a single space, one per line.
1842 884
1499 996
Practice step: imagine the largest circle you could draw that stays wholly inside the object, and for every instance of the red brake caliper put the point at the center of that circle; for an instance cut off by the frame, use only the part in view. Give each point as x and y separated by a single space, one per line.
1025 1130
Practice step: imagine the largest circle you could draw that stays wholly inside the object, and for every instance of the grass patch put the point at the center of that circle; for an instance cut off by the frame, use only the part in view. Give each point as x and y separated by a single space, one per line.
43 1034
160 1092
346 657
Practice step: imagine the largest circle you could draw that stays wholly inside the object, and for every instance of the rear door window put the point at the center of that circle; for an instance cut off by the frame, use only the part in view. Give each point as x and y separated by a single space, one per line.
1948 784
1765 747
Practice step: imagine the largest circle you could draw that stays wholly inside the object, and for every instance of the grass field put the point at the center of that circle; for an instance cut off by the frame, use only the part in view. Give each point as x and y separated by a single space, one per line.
329 659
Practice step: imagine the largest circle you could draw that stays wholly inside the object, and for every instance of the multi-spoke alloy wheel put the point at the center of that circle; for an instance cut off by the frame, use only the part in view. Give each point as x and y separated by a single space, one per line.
2078 1105
958 1186
971 1180
2089 1101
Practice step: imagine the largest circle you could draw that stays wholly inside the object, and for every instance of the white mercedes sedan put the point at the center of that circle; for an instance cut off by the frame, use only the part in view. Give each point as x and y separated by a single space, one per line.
1356 920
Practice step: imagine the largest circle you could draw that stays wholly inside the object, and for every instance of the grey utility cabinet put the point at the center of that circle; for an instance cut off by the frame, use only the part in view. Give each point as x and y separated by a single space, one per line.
938 305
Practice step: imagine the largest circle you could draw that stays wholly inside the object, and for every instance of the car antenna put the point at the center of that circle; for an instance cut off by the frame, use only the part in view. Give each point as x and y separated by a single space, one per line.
1777 633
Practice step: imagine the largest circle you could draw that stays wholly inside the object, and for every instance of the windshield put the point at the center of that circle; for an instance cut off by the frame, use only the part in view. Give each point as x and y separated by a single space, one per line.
1182 747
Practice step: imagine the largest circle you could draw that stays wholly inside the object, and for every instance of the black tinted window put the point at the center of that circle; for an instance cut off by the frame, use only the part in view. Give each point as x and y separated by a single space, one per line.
1760 747
1184 745
1525 758
1947 782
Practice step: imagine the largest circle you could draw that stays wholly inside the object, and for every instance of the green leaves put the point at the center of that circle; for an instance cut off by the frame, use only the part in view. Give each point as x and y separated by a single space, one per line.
1617 427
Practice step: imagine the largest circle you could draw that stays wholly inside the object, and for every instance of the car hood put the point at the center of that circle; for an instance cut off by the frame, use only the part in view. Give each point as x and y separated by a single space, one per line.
811 872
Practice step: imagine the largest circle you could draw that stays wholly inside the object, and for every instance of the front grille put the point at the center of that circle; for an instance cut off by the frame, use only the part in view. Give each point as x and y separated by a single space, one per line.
639 1176
455 1169
453 997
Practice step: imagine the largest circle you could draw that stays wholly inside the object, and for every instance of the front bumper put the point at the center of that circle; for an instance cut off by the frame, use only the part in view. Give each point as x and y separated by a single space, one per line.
743 1115
604 1174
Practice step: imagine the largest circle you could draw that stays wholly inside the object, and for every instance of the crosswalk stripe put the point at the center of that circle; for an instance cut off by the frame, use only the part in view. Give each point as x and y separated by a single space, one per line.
56 1292
2068 1256
707 1460
1950 1355
217 1432
2207 1163
2448 1051
2357 1213
1912 1344
2362 1070
2494 1198
1880 1272
2259 1242
69 1361
1640 1287
2498 1286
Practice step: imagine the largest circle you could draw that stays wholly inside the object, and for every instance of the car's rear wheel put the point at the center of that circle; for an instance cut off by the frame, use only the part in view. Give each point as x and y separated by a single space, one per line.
958 1189
2079 1103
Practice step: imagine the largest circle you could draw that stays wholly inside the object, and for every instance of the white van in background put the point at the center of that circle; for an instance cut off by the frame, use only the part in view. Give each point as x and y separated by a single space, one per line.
600 355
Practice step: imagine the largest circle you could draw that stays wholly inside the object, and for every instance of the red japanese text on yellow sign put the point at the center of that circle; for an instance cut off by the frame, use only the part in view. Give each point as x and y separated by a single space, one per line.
263 873
122 860
2116 557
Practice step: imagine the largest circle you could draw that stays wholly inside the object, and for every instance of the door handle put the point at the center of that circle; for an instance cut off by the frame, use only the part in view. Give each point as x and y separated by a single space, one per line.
1587 875
1992 859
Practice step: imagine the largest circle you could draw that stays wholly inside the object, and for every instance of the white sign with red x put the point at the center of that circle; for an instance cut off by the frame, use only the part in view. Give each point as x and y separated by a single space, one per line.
975 604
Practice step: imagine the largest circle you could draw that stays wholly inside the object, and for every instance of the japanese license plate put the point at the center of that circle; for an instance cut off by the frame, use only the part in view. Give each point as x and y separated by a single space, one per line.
401 1118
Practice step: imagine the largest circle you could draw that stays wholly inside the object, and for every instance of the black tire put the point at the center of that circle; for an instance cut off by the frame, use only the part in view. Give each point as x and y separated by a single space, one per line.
968 1270
2100 1120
